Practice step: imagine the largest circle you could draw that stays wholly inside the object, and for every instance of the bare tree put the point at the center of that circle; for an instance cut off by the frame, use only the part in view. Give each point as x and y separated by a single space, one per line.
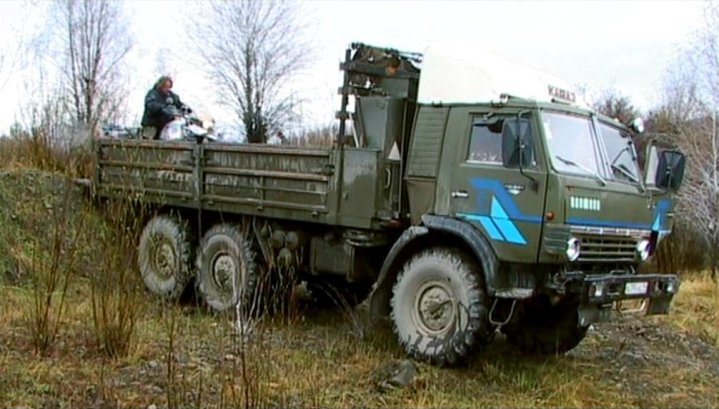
252 50
615 105
700 192
690 113
95 42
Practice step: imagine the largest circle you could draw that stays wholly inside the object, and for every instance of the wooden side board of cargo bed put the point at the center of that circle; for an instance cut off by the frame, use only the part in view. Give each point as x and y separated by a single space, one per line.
281 182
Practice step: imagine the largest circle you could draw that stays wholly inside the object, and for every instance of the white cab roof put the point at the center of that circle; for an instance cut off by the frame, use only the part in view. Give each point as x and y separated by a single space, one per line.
480 75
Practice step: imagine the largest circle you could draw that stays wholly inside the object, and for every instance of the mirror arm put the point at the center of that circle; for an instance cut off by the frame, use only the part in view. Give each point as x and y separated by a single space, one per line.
635 159
533 182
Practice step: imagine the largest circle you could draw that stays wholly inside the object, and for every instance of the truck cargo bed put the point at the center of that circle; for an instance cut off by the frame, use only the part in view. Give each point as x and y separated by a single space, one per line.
288 182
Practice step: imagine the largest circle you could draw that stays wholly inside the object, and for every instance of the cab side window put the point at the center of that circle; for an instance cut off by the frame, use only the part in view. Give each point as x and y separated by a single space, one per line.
485 144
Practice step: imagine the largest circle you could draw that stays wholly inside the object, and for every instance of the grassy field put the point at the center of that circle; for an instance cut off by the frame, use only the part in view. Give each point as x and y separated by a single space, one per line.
182 356
78 330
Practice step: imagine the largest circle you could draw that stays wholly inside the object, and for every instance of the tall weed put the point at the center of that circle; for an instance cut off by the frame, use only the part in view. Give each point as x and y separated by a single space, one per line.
49 256
115 288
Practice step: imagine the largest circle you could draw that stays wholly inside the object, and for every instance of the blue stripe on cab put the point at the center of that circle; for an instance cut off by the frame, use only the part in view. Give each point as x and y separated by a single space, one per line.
510 231
506 227
500 192
486 223
497 210
490 227
607 223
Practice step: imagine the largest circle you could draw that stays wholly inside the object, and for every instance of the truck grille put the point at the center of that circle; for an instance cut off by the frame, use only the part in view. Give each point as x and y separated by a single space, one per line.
607 249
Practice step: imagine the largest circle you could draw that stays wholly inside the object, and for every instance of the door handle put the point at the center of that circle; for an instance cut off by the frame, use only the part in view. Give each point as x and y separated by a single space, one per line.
460 194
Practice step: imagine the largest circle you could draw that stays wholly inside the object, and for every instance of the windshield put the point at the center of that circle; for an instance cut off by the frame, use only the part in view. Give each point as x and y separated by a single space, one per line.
570 143
620 153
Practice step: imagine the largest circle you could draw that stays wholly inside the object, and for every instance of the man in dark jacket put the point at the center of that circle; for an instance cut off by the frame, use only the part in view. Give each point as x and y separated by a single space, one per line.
161 106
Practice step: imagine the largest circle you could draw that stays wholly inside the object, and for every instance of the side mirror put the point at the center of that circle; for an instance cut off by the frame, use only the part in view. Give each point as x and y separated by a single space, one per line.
516 146
670 170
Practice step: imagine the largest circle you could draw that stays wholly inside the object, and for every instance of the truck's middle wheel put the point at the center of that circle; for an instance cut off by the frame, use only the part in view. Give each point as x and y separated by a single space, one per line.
165 256
440 307
227 272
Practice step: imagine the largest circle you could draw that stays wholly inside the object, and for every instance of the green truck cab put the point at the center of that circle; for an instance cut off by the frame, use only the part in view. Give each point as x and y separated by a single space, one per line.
466 201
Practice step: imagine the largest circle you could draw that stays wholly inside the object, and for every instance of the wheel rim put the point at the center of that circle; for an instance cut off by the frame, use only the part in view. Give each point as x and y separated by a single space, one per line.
223 270
435 308
164 258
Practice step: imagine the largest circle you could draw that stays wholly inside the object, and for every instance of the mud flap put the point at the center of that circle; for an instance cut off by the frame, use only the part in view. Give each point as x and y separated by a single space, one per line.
589 314
658 306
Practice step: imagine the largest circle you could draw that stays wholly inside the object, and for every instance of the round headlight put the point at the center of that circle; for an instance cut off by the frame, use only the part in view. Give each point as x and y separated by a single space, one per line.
573 247
643 249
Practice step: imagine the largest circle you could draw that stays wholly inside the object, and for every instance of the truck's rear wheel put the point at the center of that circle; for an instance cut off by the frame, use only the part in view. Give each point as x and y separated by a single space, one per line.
165 256
544 329
227 272
440 307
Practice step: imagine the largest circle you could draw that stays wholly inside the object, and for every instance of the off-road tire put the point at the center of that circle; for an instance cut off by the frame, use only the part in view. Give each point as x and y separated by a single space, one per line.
440 307
542 329
165 256
227 273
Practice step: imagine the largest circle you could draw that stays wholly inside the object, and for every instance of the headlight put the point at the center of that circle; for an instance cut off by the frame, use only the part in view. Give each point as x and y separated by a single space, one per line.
643 249
573 247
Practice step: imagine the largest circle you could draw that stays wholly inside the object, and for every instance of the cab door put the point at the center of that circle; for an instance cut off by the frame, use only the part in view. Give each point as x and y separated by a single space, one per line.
486 186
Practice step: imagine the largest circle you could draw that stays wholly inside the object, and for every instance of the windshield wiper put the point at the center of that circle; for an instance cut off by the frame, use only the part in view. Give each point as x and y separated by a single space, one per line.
625 172
622 168
621 151
591 172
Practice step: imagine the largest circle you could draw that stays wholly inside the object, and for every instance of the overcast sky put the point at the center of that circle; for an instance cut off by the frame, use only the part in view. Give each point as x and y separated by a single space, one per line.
623 45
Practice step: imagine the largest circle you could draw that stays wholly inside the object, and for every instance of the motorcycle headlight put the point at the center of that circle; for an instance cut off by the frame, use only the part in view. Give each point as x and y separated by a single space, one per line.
573 248
643 249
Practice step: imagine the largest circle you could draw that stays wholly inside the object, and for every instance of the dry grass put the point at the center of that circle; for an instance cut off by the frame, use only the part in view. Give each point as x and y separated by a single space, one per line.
696 307
321 136
39 152
317 361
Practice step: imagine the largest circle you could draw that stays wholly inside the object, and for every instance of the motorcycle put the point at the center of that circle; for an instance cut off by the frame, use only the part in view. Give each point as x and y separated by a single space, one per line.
187 126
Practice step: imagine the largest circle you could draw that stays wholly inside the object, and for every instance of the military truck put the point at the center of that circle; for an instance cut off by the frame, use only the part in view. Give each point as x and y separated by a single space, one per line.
470 195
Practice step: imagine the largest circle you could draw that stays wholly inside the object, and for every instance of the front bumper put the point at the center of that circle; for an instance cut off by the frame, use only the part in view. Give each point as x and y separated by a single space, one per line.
599 294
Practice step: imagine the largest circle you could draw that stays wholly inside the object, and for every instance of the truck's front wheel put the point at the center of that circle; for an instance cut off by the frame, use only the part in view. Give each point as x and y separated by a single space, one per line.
227 272
165 256
546 329
439 307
